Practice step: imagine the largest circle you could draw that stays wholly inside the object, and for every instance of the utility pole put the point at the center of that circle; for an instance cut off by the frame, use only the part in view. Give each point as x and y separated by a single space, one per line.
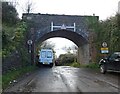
31 45
30 42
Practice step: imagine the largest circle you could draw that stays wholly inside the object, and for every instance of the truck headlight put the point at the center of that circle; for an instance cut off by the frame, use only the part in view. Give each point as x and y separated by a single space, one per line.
104 61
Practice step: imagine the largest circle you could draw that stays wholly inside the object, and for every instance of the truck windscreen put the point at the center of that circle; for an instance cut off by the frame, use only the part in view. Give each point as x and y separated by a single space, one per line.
49 54
43 54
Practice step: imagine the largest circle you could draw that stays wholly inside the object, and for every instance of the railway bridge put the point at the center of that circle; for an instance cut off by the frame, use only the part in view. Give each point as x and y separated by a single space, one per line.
73 27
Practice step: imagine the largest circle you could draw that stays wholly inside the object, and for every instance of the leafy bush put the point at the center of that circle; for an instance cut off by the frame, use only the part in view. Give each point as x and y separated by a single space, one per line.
75 64
67 59
105 31
9 14
92 65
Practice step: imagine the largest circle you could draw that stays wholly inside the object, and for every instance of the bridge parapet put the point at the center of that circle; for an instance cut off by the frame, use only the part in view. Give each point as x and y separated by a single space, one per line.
73 23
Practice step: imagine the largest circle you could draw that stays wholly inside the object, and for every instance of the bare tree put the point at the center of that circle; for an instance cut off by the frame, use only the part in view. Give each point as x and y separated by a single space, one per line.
72 48
28 6
48 45
12 2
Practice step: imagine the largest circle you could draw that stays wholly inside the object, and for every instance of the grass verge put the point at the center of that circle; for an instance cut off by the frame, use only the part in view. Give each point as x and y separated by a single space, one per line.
14 74
78 65
92 66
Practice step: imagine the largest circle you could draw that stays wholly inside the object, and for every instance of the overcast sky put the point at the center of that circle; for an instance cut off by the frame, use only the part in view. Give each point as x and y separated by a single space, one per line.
101 8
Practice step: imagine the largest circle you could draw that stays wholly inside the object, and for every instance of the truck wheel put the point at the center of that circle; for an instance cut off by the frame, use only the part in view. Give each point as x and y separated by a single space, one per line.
51 65
36 63
102 69
40 65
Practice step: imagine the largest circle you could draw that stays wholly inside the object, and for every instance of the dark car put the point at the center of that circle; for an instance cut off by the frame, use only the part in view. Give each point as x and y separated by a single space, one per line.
110 63
57 62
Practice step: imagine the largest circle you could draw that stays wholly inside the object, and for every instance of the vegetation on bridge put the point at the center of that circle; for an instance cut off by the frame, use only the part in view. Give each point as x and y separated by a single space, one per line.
106 31
109 31
14 32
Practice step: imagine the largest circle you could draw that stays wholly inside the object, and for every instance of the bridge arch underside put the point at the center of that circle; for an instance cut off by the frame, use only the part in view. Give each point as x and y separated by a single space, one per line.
81 42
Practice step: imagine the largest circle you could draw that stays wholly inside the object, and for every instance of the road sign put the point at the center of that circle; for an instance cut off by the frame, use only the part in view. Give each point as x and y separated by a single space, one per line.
104 44
104 50
29 42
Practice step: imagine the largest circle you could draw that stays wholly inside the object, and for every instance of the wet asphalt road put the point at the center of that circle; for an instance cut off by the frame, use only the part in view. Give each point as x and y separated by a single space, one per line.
67 79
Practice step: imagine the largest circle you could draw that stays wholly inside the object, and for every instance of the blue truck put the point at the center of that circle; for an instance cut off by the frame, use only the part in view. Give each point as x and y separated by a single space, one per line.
45 57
